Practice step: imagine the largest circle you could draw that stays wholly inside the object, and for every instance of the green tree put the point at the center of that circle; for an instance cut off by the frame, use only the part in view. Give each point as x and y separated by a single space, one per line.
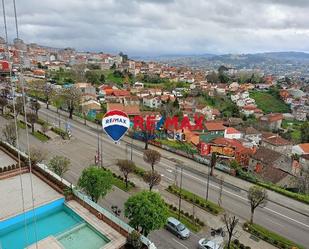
92 77
212 77
35 106
126 167
37 155
57 99
95 182
257 196
47 92
304 130
59 165
102 78
146 211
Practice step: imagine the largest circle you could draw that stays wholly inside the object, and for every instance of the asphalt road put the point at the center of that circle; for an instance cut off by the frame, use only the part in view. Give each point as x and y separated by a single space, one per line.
81 150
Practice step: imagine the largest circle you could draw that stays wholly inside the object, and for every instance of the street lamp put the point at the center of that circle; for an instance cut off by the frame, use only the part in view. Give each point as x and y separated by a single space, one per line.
180 190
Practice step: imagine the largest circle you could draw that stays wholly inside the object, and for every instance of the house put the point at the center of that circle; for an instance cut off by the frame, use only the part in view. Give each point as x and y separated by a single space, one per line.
131 100
271 121
248 110
138 85
270 165
301 149
276 143
304 162
252 135
85 88
300 112
130 110
207 111
215 127
152 102
232 133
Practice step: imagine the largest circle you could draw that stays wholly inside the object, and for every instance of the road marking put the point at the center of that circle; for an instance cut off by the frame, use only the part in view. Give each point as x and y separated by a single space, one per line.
180 243
187 174
169 170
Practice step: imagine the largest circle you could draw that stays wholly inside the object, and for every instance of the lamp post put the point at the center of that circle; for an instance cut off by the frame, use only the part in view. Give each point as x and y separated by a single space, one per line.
180 190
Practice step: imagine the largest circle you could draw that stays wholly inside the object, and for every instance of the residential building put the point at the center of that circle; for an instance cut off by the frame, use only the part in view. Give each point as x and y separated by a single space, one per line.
232 133
301 149
152 102
276 143
271 121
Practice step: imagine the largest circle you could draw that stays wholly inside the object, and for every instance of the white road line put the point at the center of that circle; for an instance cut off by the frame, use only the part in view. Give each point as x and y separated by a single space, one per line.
180 243
196 178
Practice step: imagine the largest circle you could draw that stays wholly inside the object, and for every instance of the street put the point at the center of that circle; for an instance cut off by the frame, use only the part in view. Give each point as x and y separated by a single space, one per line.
82 148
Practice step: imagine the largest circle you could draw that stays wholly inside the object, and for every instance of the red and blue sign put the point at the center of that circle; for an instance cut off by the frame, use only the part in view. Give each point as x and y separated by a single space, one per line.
115 123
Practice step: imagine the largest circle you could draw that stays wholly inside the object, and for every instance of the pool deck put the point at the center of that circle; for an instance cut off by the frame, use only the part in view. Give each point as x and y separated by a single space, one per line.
116 239
11 198
47 243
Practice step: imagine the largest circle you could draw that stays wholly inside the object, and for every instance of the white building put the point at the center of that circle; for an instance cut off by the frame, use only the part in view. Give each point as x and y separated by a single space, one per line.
152 102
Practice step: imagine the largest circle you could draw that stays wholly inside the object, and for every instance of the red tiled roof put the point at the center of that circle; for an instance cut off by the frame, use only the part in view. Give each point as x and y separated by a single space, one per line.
119 93
128 109
304 147
276 140
232 130
215 126
272 117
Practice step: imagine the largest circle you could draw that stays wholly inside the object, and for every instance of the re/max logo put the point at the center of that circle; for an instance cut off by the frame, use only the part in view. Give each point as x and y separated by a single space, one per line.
115 120
169 123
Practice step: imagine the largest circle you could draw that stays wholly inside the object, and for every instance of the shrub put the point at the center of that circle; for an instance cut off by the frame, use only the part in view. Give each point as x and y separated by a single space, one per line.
242 246
175 208
197 201
0 170
5 168
247 247
187 214
182 212
236 242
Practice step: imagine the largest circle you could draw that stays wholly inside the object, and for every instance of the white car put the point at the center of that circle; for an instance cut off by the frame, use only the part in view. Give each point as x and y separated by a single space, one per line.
216 243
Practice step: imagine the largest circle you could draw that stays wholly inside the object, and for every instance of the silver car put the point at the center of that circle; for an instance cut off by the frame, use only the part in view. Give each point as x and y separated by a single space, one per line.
176 227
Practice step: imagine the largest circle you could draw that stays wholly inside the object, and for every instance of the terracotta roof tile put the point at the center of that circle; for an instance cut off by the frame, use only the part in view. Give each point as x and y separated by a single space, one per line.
304 147
215 126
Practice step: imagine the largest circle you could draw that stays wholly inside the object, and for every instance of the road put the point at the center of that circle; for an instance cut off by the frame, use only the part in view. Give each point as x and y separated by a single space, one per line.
81 150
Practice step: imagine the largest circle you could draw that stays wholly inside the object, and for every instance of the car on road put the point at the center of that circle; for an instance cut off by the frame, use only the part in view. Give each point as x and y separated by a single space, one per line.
177 228
216 243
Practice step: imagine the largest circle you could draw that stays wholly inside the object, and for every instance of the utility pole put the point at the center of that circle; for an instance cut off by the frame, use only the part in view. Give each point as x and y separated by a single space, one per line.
101 151
132 148
180 190
207 186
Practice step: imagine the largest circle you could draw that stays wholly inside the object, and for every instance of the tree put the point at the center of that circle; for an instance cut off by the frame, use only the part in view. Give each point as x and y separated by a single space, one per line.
3 103
230 224
32 118
213 163
93 77
59 165
212 78
48 92
152 157
153 178
146 211
19 106
102 78
126 167
78 72
95 182
35 106
257 196
134 239
37 155
72 98
302 181
9 132
304 129
57 100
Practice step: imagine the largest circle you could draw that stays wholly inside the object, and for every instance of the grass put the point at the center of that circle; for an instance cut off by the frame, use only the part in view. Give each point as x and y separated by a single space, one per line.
186 221
21 125
119 182
270 237
195 199
40 136
269 103
110 77
186 147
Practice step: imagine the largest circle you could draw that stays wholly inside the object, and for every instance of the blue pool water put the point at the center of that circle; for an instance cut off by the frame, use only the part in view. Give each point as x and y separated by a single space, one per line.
51 219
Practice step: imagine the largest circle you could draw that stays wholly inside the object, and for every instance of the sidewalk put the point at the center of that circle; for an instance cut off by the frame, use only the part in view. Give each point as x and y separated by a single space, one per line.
202 169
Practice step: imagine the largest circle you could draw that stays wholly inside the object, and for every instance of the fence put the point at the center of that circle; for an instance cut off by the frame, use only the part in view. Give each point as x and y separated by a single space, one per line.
92 204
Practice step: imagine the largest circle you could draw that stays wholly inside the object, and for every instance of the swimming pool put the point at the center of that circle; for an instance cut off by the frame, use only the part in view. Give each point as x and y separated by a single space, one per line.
53 219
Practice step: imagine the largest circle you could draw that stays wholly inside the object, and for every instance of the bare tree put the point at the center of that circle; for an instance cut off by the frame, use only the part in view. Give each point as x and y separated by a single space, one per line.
47 92
302 181
32 118
230 224
9 133
19 106
213 163
37 155
3 104
257 196
57 99
126 167
72 98
152 157
153 178
59 165
78 72
35 106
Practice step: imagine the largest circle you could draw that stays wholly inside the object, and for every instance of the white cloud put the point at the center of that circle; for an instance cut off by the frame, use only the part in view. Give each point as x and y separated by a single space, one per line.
159 27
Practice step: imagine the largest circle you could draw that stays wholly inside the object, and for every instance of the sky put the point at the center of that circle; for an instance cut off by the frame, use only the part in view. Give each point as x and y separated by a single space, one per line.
158 27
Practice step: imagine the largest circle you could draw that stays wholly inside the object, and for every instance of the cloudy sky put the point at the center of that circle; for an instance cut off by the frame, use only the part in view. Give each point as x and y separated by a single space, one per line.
153 27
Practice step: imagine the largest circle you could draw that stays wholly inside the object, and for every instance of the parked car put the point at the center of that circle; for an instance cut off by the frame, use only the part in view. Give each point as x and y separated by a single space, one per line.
176 227
216 243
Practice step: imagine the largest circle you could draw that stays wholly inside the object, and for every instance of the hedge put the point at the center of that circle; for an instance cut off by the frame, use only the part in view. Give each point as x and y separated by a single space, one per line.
191 222
195 199
60 132
270 237
39 135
